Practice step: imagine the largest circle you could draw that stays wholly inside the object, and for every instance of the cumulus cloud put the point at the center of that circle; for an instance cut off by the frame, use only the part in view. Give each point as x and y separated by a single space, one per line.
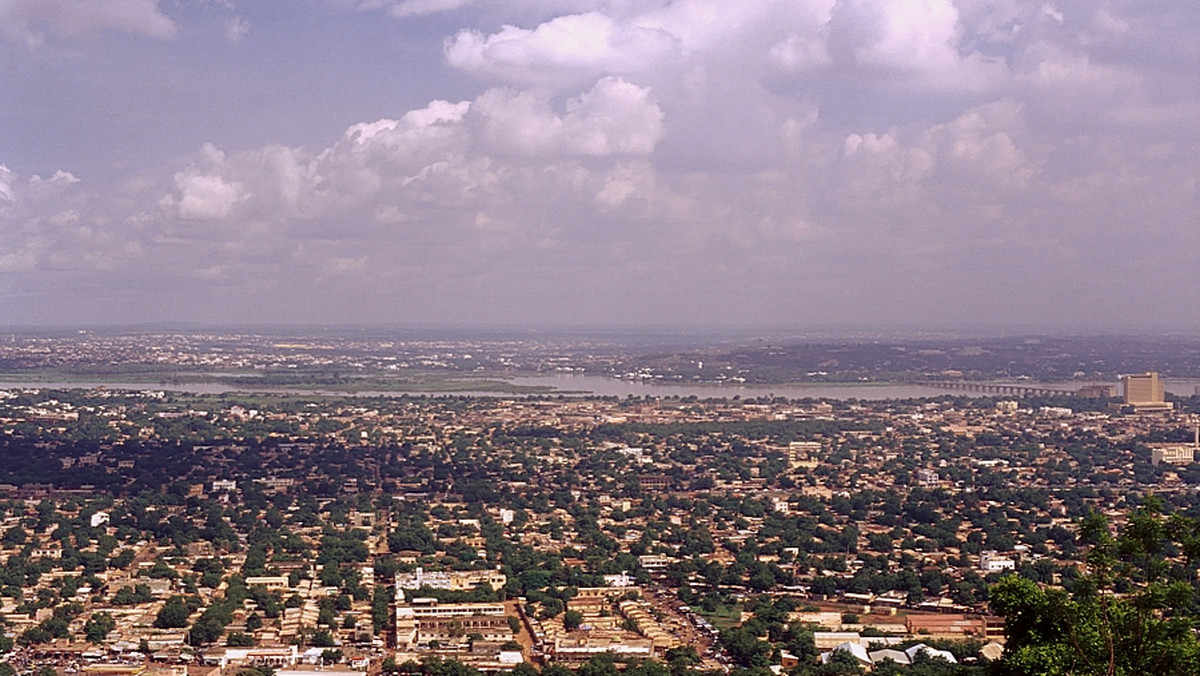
977 142
624 182
56 224
882 174
26 21
417 133
916 42
469 158
207 196
650 40
731 30
565 49
202 193
909 42
973 165
701 145
1058 69
614 117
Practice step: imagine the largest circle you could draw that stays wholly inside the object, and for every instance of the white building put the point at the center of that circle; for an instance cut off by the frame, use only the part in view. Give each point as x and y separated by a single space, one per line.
1172 454
927 477
453 580
991 562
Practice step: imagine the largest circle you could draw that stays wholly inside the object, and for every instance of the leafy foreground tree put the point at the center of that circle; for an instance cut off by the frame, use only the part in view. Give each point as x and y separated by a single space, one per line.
1147 628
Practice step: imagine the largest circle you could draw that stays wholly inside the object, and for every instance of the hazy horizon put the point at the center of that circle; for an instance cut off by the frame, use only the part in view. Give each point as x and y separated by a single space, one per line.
690 333
726 165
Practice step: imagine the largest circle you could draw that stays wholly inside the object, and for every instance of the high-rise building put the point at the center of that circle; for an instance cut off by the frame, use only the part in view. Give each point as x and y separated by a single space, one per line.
1144 388
1145 392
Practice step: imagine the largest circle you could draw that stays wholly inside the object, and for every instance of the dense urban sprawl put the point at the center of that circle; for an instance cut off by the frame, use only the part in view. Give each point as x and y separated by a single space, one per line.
155 529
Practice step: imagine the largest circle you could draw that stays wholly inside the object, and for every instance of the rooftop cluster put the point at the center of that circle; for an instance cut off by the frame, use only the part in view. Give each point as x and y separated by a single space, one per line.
413 532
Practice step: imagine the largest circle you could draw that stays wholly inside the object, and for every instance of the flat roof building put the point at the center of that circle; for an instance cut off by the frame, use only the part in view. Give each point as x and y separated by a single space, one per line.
1145 392
1172 454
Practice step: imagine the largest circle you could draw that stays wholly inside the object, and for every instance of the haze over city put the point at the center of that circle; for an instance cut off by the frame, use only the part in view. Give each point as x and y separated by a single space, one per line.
590 162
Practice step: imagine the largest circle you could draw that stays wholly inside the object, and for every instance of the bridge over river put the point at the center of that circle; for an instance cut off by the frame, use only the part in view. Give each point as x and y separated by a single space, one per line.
1019 390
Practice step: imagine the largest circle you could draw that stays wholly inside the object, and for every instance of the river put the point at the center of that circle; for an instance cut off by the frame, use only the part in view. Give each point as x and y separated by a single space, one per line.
574 384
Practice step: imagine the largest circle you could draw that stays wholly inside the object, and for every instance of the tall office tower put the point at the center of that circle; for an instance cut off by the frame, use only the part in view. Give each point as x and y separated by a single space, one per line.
1145 392
1144 388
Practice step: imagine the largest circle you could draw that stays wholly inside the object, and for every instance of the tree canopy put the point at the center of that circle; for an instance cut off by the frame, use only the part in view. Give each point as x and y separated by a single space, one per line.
1132 611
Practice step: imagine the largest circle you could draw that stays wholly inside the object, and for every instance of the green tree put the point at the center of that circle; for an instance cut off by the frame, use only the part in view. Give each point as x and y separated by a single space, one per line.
745 648
207 629
34 635
98 626
127 596
14 537
239 639
1093 630
572 619
321 639
174 614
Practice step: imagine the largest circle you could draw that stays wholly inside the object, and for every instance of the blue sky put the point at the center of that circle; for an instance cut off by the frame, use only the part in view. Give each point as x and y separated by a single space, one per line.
688 162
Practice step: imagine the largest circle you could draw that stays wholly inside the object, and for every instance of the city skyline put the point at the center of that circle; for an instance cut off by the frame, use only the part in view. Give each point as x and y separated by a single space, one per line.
689 163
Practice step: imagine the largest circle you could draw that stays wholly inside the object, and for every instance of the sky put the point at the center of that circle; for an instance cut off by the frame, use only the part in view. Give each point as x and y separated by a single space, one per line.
640 163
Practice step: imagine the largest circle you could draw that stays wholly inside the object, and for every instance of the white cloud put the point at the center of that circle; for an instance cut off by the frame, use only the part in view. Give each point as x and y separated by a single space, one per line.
236 28
6 178
1058 69
405 8
761 143
882 173
970 163
711 25
520 122
624 183
60 177
24 20
915 42
55 224
800 53
921 42
648 41
446 162
428 126
22 260
614 117
975 141
566 49
1051 11
205 197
